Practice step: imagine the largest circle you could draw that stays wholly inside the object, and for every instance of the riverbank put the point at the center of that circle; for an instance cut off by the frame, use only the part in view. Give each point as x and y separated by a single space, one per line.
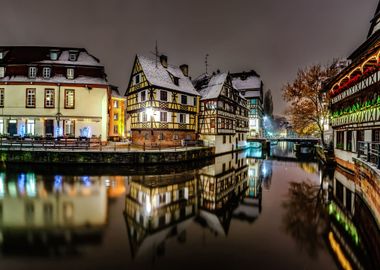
65 156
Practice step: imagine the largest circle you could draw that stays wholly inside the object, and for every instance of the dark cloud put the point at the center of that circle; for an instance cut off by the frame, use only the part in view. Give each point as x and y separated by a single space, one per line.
271 36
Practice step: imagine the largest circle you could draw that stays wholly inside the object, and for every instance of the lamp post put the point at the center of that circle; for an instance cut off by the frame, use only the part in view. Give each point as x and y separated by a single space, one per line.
150 112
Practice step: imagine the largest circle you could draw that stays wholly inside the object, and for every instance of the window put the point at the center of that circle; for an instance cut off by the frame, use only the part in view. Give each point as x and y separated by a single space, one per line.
32 72
69 128
175 137
253 101
144 117
360 136
1 55
70 73
1 126
183 99
182 118
339 139
1 97
224 139
115 129
116 104
72 56
349 141
195 101
163 95
2 72
30 127
212 123
53 55
49 98
46 72
30 98
163 116
143 96
69 99
116 116
175 80
161 136
137 79
376 135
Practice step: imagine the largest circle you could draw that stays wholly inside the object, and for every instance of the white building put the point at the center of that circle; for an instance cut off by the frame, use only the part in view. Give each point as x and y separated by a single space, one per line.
51 91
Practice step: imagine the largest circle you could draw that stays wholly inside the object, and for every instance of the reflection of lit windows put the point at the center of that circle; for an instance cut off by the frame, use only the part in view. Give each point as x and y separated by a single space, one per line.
2 184
68 212
86 181
57 183
12 189
21 183
31 185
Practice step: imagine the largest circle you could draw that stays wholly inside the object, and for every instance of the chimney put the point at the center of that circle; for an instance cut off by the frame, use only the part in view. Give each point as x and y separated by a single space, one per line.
185 70
164 61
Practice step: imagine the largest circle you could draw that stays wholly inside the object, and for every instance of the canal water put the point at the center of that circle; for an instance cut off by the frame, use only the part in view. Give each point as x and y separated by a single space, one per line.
238 211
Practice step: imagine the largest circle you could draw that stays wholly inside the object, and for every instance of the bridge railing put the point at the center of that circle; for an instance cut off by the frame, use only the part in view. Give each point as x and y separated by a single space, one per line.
370 152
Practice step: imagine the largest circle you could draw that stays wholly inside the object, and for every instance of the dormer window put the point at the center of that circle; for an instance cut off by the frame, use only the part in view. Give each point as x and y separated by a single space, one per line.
46 72
175 79
72 56
53 55
1 55
32 73
70 73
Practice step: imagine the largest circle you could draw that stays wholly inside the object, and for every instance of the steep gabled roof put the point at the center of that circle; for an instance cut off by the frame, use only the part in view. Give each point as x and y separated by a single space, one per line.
375 23
246 81
158 75
214 86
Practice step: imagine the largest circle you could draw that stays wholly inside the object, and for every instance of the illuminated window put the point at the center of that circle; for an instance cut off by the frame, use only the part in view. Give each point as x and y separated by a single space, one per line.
69 128
116 116
163 116
53 55
32 72
212 123
2 72
30 127
49 98
70 73
182 118
69 99
46 72
116 104
1 126
1 97
30 98
116 129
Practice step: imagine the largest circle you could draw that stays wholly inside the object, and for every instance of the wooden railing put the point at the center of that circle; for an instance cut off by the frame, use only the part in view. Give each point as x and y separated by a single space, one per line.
370 152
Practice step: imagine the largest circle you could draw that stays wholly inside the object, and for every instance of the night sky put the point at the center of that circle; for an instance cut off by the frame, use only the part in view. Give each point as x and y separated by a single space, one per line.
274 37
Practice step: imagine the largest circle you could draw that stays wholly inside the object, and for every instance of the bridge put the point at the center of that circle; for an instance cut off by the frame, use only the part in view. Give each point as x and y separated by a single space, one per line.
284 139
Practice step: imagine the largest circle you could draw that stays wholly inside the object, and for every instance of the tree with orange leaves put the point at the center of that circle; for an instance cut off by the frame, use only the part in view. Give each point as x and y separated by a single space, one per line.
308 106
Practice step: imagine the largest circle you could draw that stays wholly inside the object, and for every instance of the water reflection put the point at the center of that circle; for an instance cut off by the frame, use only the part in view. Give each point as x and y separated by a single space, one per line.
54 213
331 212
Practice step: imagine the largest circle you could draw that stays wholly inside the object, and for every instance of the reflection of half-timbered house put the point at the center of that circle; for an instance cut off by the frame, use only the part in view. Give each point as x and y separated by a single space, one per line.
157 204
223 117
251 87
355 100
220 187
161 102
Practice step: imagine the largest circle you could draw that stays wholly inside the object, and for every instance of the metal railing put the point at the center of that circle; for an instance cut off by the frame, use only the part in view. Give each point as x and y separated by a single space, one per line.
49 143
370 152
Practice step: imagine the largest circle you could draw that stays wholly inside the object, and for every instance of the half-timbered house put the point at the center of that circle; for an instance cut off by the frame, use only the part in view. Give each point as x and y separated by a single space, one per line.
162 103
251 87
223 117
355 101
